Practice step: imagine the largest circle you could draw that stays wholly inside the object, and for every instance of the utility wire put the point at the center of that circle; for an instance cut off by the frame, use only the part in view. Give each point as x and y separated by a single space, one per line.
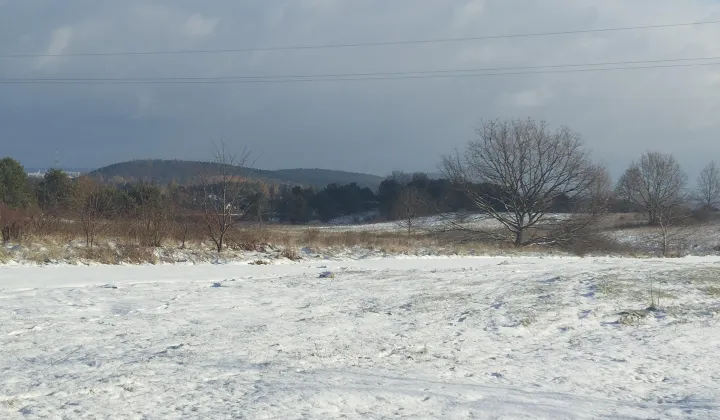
344 75
355 45
429 74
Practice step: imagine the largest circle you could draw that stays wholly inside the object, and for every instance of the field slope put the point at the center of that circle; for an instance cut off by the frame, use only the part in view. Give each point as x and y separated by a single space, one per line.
501 338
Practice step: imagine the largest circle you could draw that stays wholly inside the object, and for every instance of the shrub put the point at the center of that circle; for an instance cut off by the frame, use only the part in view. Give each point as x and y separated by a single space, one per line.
14 224
135 254
290 254
255 240
310 236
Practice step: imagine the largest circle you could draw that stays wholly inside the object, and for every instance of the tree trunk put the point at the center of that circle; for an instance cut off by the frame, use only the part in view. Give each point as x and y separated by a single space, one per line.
518 237
653 218
220 243
183 235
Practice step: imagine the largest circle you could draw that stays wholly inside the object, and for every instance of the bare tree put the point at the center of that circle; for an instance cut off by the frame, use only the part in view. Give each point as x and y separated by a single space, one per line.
656 184
182 223
673 228
92 204
260 203
529 166
708 187
153 214
222 201
409 209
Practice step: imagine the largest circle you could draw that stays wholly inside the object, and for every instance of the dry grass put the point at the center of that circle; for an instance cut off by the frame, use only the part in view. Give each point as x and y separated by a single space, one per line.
614 221
46 254
101 254
119 245
255 239
613 288
122 241
291 254
135 254
598 243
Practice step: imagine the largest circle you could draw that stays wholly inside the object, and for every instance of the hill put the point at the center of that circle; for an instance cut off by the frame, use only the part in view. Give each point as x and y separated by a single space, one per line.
183 171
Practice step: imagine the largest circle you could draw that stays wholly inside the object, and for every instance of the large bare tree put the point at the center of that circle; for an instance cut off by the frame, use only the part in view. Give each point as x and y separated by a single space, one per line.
223 201
528 166
656 183
708 187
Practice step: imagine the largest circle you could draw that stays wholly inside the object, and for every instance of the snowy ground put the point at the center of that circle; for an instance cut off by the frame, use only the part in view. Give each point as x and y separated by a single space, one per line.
489 338
471 221
695 240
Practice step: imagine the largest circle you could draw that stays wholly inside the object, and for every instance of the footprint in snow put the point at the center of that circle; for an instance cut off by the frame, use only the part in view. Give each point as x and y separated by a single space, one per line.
463 316
550 281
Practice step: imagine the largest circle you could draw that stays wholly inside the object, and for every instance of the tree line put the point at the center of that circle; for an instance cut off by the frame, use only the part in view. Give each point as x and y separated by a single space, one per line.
56 194
517 172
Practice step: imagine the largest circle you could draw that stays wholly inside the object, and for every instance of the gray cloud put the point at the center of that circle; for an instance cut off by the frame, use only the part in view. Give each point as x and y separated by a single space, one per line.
364 126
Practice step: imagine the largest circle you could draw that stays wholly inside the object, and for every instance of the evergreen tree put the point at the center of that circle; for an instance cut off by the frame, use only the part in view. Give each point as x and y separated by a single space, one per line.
14 187
55 191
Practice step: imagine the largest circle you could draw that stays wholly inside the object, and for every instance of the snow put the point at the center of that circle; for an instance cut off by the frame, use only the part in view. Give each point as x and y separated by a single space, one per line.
486 337
356 218
348 224
473 221
694 240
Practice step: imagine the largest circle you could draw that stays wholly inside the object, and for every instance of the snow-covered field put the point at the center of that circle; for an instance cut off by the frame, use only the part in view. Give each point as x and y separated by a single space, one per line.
695 240
489 338
472 221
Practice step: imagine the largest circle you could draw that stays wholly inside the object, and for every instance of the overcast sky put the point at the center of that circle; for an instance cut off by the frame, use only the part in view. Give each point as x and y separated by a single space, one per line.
366 126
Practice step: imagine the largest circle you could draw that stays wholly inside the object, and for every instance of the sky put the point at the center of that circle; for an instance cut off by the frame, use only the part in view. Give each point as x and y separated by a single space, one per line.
364 126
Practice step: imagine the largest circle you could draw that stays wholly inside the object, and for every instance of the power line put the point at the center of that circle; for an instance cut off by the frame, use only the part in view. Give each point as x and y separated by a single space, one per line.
355 45
343 75
427 74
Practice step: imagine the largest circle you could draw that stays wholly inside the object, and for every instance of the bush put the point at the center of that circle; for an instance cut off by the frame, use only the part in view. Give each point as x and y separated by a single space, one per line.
255 240
290 254
135 254
102 255
14 224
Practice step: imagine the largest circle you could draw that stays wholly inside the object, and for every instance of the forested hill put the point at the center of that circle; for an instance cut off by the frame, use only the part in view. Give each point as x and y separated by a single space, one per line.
183 172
